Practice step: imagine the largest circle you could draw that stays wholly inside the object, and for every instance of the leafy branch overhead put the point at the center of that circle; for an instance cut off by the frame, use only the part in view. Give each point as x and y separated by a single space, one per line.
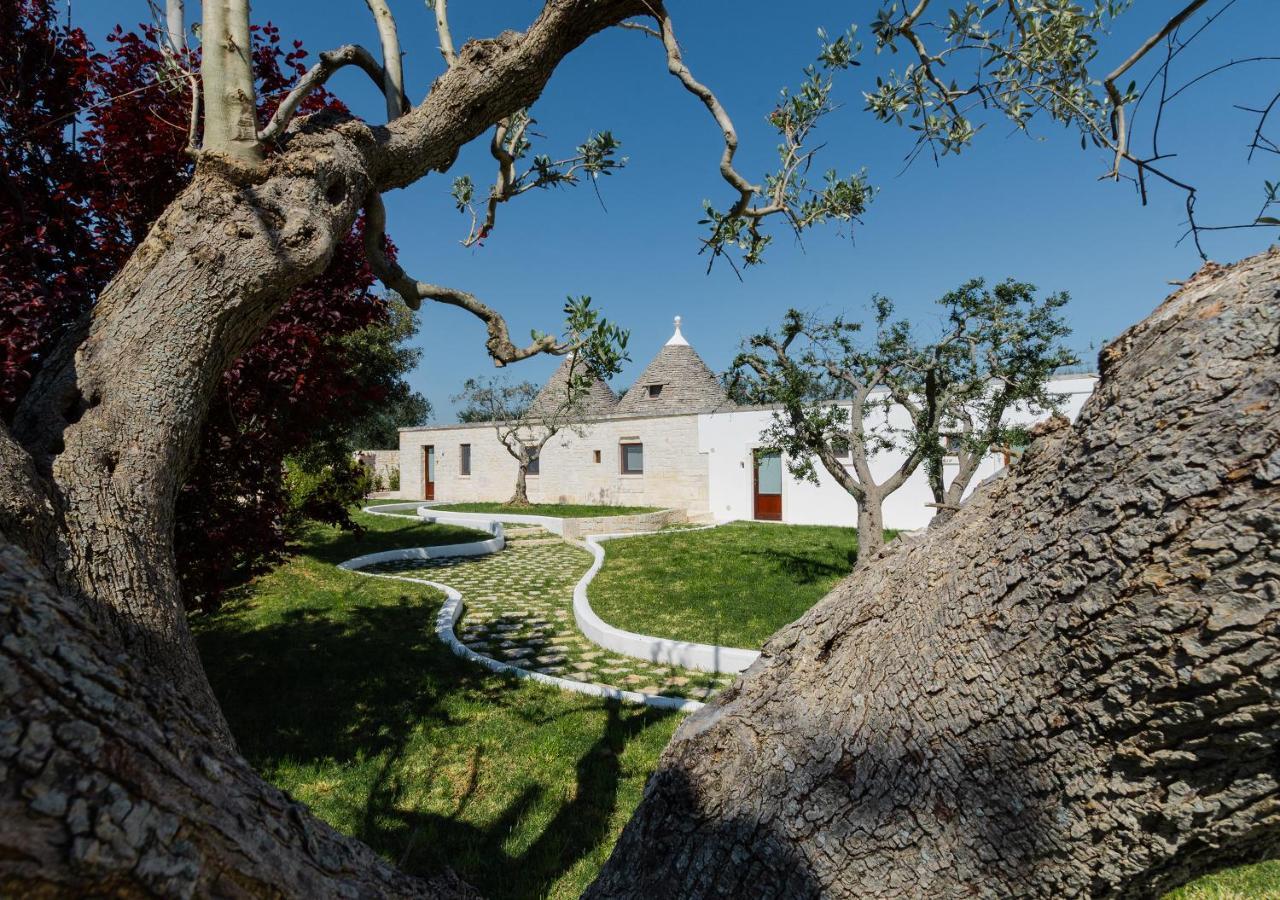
1026 58
786 192
594 158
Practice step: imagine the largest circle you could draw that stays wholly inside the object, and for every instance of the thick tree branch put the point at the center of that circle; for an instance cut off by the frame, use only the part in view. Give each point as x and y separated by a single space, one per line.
230 109
330 62
498 343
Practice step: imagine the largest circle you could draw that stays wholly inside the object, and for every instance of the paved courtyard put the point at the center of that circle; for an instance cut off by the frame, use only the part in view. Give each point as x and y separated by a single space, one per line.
518 608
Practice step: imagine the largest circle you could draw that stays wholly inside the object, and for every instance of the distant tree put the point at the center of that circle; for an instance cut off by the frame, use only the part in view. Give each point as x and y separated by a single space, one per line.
837 394
524 417
380 358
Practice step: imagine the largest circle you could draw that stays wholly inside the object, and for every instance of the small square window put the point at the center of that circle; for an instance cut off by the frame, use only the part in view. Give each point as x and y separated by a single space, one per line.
597 456
464 459
632 459
655 391
840 447
535 463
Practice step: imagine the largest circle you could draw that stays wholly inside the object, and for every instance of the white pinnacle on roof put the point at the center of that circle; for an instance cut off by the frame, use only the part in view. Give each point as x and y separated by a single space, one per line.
675 381
677 339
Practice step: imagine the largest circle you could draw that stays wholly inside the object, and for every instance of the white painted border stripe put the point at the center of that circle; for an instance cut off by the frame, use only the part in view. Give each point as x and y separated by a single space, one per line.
451 611
686 654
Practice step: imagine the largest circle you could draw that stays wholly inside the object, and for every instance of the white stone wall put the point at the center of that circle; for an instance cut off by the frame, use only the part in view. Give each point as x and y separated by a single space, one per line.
675 472
698 463
729 438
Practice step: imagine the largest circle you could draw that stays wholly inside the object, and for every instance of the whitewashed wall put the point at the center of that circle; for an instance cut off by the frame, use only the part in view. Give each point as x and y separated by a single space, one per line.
675 473
700 464
728 439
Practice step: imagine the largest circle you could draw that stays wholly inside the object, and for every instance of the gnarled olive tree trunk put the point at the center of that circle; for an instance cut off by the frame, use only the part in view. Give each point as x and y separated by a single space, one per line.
1070 689
109 785
102 443
117 771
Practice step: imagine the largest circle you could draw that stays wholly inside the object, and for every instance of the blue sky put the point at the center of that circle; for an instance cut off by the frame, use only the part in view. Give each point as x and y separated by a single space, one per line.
1011 206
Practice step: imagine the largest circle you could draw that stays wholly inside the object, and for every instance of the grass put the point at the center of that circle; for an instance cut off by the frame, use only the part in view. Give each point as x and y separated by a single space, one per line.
1244 883
734 585
558 510
338 692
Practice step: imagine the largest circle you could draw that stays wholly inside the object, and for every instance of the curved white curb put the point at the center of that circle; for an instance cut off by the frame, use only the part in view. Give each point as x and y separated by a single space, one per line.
428 514
686 654
442 551
451 611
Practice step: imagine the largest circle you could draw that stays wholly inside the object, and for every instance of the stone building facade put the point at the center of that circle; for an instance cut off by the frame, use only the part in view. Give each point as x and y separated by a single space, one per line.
674 440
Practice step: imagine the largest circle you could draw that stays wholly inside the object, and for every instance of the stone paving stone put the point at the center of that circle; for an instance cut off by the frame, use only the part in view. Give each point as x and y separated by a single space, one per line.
517 607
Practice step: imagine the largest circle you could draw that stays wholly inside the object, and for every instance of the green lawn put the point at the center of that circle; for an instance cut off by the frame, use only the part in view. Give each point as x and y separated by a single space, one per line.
1244 883
559 510
734 585
338 692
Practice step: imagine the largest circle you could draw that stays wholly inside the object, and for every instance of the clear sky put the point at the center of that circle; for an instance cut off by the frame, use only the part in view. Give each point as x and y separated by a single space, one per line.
1011 206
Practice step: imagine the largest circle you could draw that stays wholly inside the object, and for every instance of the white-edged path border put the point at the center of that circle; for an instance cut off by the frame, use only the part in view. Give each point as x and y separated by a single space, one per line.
451 612
685 654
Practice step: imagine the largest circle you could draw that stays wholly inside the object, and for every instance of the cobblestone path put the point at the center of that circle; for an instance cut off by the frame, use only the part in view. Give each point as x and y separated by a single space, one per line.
518 608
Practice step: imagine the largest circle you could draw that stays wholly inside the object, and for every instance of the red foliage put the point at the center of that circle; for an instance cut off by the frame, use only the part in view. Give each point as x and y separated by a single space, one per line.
48 255
72 212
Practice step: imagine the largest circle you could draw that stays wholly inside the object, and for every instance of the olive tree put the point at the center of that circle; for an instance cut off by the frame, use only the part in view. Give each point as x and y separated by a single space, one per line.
524 418
894 395
1124 687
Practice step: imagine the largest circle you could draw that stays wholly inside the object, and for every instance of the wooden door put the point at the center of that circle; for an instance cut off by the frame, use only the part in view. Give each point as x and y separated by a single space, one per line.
429 473
767 485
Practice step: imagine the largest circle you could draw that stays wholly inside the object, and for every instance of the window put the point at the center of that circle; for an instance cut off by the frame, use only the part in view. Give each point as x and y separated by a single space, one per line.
597 456
464 460
840 447
655 391
632 459
534 461
952 444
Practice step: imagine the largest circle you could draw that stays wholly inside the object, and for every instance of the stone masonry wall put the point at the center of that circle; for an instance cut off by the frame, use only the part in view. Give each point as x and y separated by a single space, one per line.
675 473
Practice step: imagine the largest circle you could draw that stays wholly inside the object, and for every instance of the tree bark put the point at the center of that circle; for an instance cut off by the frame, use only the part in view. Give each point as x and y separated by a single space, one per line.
110 786
870 526
111 422
521 495
1071 689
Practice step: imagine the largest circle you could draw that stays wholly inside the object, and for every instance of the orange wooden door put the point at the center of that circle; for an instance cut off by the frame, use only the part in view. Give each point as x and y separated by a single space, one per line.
429 473
767 485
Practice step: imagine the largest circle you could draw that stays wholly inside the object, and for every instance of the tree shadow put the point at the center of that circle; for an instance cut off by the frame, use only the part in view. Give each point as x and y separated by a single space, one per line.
805 568
424 842
355 685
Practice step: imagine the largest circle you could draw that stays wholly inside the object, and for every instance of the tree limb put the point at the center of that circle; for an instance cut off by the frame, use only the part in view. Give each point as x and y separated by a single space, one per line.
392 69
677 67
330 62
1118 131
441 10
498 343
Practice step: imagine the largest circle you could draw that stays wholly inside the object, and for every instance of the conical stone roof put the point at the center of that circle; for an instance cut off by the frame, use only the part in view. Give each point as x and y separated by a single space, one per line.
600 400
676 381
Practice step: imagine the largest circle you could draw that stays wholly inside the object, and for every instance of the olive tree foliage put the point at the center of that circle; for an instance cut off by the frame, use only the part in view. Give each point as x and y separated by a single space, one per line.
847 400
525 418
980 61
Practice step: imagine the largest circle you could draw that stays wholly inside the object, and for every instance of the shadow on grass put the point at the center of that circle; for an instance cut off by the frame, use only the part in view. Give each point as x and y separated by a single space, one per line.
806 568
355 685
